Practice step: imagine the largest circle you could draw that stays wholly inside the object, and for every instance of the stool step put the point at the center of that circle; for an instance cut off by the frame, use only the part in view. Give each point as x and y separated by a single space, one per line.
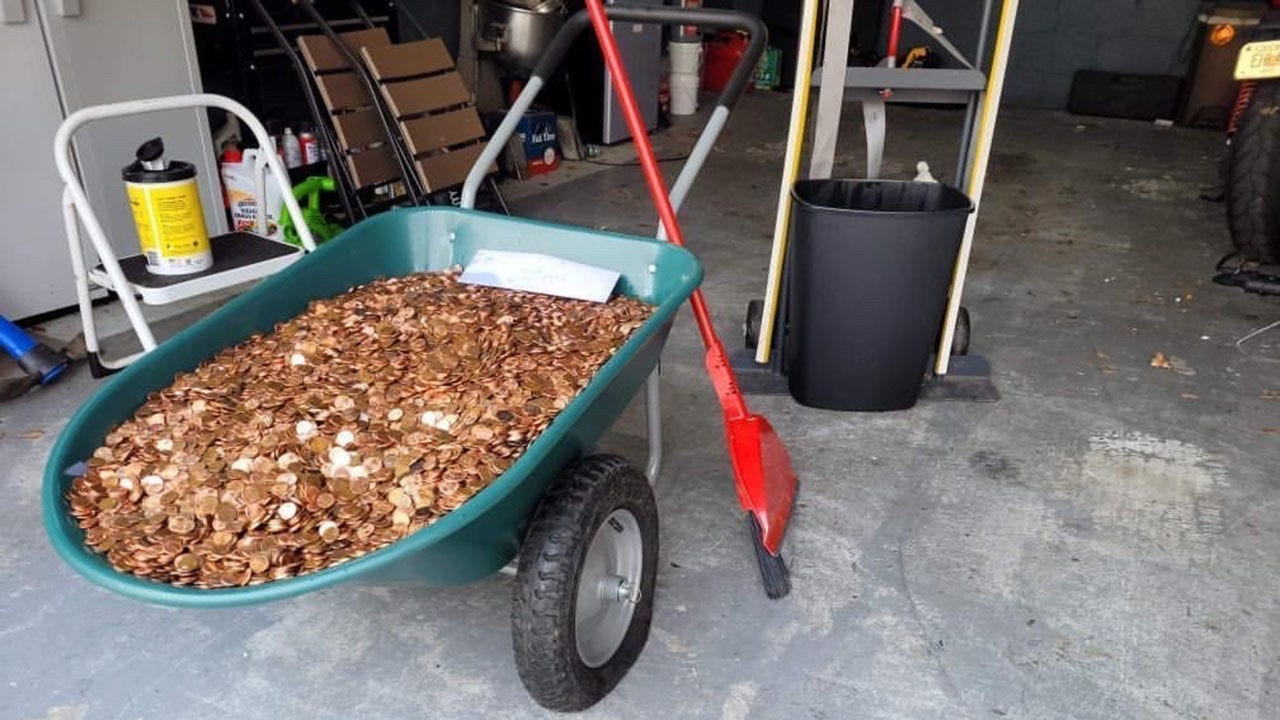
237 257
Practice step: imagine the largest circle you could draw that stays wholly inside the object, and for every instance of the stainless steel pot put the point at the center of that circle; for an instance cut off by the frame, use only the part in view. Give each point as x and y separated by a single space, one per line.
517 31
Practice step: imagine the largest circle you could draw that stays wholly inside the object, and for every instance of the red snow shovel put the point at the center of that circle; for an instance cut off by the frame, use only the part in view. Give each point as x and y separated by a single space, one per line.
761 467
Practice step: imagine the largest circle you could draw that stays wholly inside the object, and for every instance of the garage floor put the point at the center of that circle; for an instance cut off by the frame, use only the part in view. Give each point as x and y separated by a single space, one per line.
1103 542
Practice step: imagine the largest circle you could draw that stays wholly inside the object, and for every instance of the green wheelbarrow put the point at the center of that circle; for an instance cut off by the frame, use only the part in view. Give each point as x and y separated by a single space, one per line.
585 527
582 527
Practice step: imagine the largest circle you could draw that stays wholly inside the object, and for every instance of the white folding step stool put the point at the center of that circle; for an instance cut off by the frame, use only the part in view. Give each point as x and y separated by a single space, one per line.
238 257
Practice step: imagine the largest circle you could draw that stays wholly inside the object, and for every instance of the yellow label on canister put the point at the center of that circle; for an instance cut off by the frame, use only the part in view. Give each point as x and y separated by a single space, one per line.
170 224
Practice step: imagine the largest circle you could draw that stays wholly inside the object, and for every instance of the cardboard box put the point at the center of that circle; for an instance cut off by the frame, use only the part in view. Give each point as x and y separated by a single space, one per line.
537 132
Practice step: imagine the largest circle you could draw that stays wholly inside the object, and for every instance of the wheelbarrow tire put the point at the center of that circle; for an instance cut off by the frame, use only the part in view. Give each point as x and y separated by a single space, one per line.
595 491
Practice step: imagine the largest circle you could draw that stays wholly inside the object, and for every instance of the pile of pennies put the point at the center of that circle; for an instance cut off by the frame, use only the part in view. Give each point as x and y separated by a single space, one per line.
357 423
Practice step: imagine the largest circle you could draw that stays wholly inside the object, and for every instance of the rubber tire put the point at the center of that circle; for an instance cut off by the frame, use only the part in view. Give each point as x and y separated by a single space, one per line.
960 338
542 614
751 327
964 331
1253 186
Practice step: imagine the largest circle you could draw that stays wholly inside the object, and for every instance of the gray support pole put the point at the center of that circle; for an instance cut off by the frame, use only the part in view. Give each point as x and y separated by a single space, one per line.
835 59
971 114
966 143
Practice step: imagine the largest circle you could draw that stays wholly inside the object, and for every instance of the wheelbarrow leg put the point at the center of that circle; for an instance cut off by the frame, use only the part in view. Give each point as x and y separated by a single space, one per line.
653 416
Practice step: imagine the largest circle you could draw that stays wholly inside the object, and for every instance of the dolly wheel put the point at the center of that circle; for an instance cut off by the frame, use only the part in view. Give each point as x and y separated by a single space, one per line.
964 330
960 338
751 327
584 586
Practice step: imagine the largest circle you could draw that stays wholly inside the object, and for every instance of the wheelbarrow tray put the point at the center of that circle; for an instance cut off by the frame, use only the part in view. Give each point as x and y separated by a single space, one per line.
483 534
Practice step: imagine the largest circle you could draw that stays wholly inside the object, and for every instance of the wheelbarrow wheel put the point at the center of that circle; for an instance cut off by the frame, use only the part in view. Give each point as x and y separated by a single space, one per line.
584 585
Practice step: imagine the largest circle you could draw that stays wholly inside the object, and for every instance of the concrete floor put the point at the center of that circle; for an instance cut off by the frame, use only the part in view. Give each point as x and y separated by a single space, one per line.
1104 542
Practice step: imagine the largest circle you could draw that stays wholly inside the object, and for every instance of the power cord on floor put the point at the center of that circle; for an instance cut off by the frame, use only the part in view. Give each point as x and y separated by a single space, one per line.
631 163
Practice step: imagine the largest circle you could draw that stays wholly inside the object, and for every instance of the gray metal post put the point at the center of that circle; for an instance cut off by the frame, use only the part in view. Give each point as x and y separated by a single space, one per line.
971 113
835 60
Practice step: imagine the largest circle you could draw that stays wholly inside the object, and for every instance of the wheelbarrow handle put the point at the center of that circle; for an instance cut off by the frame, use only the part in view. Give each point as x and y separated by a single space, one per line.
580 21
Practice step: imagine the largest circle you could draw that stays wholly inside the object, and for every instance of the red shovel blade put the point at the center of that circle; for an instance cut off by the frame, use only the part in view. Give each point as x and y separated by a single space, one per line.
762 469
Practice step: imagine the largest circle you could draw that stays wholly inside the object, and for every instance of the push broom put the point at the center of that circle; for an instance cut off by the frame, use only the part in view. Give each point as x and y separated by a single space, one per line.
762 470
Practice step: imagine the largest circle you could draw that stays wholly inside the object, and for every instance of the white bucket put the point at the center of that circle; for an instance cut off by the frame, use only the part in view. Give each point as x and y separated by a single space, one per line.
684 94
686 57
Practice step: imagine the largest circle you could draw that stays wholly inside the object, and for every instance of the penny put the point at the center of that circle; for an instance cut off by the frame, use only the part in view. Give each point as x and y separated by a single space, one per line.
186 562
181 524
226 512
399 498
259 563
346 428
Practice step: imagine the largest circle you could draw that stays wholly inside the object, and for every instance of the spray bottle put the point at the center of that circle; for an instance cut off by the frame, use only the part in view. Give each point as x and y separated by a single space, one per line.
291 149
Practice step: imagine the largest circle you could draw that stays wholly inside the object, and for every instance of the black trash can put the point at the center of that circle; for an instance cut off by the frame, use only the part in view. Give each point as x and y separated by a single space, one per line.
871 264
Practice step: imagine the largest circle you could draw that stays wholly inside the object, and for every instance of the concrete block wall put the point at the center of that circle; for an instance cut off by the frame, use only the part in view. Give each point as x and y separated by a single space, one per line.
1055 38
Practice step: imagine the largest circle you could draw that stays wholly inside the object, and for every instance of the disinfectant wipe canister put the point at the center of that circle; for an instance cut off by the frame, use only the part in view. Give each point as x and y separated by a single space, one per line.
166 210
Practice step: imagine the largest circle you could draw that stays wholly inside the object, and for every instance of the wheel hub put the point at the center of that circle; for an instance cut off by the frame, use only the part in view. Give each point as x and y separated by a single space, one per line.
608 588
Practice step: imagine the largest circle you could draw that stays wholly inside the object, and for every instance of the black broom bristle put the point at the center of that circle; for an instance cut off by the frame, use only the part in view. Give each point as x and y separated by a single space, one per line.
773 569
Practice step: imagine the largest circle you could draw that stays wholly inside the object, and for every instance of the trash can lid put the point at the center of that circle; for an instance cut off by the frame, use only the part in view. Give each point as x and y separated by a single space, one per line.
880 197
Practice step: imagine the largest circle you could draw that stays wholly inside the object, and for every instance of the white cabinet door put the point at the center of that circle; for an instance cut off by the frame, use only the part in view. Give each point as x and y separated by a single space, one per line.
110 50
35 271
